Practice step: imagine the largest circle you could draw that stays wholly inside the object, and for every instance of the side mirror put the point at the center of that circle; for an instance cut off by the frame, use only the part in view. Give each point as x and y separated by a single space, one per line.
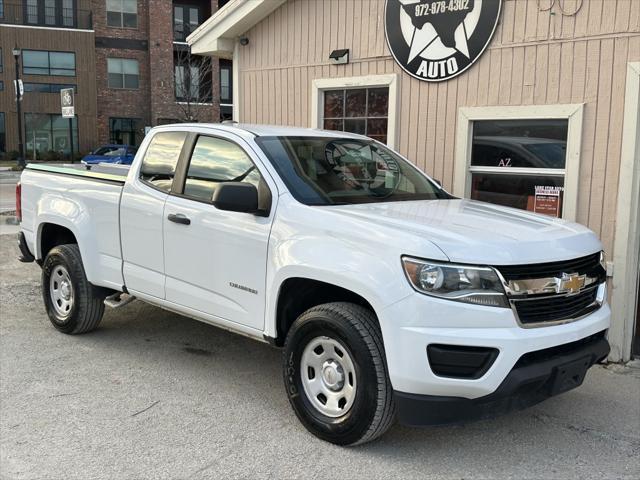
438 182
237 197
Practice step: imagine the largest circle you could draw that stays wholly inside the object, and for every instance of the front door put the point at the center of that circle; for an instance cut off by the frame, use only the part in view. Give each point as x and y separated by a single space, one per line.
215 260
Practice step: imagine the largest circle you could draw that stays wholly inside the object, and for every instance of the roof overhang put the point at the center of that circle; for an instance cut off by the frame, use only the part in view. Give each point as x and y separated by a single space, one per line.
217 36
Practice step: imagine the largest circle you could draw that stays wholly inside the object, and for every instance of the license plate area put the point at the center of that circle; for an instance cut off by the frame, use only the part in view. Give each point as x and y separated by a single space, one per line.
570 375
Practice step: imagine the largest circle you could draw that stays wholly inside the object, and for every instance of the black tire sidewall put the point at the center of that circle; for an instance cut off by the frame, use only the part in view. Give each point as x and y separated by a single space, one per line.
59 256
352 426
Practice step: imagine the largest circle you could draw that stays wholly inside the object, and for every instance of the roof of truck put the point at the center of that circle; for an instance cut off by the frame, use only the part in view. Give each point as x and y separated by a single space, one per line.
269 130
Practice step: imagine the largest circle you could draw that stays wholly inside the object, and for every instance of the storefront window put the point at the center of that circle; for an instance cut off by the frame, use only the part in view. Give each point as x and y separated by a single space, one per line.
520 164
126 131
47 135
362 110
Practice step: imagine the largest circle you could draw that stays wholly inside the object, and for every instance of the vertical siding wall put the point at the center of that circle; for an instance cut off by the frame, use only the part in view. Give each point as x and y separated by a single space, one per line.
535 58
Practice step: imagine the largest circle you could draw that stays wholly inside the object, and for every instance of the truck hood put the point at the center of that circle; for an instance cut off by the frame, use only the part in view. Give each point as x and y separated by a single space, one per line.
479 233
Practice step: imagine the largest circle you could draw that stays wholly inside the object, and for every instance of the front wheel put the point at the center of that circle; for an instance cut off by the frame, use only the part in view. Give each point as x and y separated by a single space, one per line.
72 303
336 375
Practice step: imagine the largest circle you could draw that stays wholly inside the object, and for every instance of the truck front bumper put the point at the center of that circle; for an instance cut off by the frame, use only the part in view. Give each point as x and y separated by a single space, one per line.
535 377
413 326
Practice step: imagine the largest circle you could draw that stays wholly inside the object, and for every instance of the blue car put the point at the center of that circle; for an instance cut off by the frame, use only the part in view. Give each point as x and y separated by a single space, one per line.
118 154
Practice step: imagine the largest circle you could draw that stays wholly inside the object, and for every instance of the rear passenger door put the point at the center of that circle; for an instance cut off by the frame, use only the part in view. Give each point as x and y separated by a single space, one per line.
215 260
141 214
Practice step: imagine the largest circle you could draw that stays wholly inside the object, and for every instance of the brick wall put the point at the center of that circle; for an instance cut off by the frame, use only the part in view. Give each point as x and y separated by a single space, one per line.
155 98
121 103
163 104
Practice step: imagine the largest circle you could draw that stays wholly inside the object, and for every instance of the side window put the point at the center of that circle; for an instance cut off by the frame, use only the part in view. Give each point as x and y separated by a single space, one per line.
214 161
160 160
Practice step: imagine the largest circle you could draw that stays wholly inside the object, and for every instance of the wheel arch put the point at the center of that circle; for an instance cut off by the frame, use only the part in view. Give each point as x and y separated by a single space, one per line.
298 294
51 235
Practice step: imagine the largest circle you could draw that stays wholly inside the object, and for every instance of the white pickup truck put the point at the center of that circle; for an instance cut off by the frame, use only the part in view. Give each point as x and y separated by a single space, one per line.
390 297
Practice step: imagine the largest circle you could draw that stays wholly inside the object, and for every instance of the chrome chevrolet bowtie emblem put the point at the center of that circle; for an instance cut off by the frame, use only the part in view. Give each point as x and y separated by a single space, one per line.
571 283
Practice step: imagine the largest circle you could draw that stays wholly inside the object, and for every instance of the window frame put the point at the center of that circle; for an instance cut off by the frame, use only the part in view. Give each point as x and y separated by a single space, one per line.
121 12
133 119
185 8
138 173
51 118
49 74
122 60
180 177
42 15
573 113
390 81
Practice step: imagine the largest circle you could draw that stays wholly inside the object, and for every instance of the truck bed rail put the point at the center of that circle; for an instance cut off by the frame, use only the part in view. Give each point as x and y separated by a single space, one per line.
109 173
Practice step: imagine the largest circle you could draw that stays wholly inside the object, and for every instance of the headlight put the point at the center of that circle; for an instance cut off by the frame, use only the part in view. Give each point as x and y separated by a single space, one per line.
603 260
462 283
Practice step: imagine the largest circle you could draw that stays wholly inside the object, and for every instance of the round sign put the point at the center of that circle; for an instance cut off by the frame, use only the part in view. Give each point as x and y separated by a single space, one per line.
435 40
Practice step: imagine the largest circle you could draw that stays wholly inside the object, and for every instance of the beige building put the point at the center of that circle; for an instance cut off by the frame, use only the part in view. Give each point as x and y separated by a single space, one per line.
527 103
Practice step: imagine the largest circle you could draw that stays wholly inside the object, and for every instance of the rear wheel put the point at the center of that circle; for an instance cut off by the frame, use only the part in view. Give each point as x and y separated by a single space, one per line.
336 376
72 303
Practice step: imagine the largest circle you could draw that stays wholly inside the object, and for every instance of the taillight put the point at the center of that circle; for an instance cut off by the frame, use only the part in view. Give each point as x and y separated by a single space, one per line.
19 201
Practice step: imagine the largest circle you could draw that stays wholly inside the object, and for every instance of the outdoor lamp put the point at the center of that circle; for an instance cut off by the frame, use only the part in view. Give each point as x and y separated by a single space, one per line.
340 57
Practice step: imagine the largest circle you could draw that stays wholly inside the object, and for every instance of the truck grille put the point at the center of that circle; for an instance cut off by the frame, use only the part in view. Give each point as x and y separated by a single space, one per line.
580 265
541 307
556 307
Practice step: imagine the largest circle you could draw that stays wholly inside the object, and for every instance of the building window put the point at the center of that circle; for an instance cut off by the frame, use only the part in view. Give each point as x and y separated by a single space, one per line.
54 13
1 61
1 8
193 78
520 163
365 105
185 20
42 62
47 87
3 145
123 73
521 157
47 135
358 110
1 85
126 131
122 13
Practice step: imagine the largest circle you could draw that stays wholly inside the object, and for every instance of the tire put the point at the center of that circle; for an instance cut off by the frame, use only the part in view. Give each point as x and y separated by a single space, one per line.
354 331
79 306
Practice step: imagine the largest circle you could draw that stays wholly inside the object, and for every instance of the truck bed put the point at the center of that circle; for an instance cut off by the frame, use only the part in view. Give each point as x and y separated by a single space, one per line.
84 201
105 172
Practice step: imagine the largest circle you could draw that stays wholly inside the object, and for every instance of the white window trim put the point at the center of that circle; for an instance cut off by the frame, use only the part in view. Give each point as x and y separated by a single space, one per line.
571 112
627 233
318 87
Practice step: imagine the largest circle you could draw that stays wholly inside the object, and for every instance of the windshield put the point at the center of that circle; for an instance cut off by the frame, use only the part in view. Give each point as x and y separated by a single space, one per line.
111 151
338 171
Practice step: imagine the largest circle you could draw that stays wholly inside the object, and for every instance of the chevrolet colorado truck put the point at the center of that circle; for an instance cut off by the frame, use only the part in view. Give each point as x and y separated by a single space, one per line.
389 297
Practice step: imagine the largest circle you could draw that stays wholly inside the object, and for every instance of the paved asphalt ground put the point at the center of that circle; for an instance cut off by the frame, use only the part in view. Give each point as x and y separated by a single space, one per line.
155 395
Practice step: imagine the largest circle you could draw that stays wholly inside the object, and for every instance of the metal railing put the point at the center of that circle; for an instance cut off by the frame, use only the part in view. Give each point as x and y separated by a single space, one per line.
19 13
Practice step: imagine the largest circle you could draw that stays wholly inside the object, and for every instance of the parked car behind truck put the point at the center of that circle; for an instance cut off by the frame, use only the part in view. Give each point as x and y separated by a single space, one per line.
389 297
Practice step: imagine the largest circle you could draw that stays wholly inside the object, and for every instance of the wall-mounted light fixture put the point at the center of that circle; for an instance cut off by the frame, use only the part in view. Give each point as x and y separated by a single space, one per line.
244 41
340 57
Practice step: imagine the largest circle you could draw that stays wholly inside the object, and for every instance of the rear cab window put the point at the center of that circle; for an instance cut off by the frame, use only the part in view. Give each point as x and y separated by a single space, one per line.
161 159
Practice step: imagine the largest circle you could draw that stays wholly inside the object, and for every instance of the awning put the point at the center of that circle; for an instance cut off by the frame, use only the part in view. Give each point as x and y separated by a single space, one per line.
217 36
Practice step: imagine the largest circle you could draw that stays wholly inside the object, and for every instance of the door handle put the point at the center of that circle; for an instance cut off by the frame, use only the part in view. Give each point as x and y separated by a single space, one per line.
179 218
